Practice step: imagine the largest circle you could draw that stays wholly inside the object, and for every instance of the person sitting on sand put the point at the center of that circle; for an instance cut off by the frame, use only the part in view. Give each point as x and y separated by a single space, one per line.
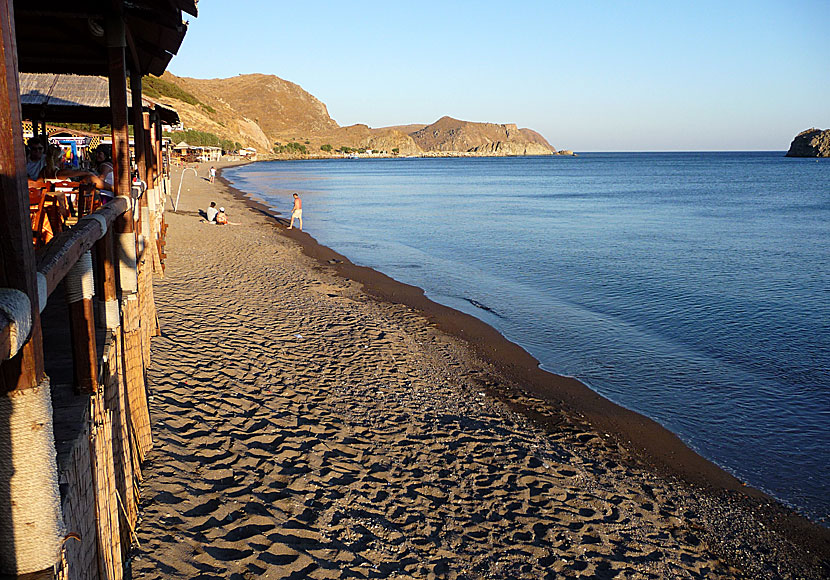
211 213
222 219
297 212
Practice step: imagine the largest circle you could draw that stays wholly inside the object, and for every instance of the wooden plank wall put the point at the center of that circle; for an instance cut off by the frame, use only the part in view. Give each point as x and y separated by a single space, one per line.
101 482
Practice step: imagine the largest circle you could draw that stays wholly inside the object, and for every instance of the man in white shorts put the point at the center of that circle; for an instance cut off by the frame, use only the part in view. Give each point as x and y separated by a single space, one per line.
297 212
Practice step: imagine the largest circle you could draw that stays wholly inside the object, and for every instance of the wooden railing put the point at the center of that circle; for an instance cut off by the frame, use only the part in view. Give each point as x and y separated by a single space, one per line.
61 254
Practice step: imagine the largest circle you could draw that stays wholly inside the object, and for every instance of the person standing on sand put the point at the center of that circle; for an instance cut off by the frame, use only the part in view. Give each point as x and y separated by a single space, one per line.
297 212
212 174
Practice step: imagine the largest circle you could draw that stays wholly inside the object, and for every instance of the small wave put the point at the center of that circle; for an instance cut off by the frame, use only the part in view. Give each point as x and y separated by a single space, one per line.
478 304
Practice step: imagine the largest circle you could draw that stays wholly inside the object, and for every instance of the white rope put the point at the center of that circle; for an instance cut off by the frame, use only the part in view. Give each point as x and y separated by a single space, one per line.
42 291
102 221
18 309
145 222
152 198
80 284
110 313
126 262
31 529
136 191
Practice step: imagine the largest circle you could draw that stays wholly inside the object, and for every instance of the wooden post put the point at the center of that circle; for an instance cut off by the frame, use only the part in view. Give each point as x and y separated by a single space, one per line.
84 353
79 293
118 104
30 532
17 257
106 283
148 148
132 355
138 124
158 162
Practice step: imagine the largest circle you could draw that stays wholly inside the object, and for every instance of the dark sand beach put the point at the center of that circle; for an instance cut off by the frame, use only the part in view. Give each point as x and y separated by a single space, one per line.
316 419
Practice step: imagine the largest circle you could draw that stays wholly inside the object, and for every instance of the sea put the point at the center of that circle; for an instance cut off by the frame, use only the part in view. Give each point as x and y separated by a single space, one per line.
693 288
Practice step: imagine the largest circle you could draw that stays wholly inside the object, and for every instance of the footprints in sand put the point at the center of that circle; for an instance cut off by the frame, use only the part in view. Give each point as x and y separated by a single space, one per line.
361 450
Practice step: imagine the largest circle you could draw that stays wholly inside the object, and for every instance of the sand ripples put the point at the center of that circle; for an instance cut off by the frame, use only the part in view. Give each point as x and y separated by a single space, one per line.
305 432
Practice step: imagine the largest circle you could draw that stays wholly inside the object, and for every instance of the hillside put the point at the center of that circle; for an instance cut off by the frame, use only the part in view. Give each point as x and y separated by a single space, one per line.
264 110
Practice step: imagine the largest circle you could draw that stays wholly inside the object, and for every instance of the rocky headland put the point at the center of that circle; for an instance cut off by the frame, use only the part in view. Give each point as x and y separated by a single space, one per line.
451 135
811 143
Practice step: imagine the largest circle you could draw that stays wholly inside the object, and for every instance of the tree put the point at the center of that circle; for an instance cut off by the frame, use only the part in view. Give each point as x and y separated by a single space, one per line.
326 148
395 151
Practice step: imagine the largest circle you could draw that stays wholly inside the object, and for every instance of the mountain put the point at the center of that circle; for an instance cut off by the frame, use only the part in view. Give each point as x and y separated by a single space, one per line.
279 107
811 143
264 110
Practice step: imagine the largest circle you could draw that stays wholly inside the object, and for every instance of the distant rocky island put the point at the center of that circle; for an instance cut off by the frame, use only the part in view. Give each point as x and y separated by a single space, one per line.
811 143
279 117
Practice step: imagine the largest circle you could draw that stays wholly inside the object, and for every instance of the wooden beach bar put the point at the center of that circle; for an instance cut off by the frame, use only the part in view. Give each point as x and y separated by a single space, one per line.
77 313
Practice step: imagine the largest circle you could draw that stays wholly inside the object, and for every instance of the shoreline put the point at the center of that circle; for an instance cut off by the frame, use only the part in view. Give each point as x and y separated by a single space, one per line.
660 445
650 444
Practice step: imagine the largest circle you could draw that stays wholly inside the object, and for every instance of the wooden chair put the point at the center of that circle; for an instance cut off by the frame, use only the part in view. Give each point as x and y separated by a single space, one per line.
67 187
37 206
56 214
88 200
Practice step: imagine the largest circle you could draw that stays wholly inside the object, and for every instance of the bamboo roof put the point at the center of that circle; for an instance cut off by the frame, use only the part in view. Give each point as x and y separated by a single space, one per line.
60 36
75 98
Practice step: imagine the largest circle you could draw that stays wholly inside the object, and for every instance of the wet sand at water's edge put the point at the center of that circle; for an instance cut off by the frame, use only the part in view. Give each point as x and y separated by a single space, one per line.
315 419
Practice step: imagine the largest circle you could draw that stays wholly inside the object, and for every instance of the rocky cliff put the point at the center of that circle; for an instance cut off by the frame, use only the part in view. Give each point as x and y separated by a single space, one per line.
451 135
276 105
811 143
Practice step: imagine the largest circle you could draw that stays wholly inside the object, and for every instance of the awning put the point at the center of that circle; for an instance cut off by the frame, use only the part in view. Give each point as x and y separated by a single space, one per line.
77 99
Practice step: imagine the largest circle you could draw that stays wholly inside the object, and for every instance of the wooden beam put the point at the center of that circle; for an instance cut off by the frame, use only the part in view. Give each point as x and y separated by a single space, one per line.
138 125
84 351
150 151
158 161
116 41
107 290
17 257
23 372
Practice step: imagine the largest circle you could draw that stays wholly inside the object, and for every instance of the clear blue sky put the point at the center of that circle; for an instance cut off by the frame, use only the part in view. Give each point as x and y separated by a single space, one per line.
598 76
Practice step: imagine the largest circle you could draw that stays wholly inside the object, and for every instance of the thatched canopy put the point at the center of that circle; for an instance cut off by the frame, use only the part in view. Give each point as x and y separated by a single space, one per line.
76 99
71 36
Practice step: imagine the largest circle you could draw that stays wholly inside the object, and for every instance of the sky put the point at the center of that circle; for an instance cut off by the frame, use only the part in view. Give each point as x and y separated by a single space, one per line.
590 76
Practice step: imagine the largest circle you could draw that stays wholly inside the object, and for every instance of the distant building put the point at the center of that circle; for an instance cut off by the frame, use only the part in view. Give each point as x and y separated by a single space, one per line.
185 153
248 153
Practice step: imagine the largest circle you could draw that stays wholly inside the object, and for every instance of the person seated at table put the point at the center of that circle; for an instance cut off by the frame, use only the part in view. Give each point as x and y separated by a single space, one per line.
105 178
35 159
54 166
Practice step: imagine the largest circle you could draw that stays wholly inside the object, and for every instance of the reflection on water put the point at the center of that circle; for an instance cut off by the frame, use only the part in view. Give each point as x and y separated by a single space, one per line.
691 287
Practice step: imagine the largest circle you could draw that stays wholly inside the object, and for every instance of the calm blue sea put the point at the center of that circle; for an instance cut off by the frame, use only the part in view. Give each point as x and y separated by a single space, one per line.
691 287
